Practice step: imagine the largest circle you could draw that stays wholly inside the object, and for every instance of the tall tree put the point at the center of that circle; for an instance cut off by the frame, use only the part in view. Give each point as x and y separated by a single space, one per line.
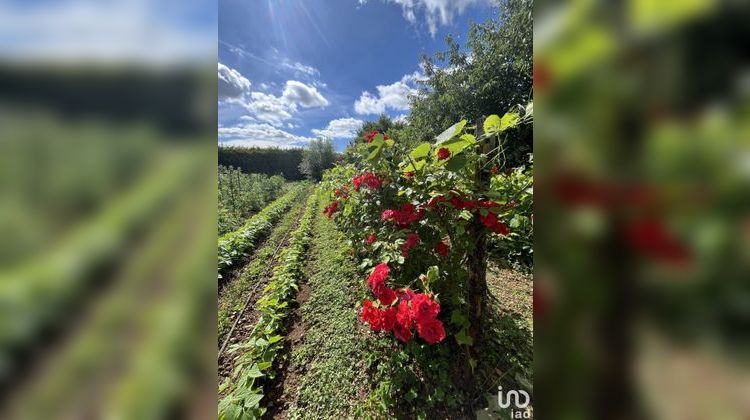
318 157
492 74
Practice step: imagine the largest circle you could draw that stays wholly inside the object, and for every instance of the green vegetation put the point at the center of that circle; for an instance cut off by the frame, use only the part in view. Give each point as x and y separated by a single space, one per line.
241 195
234 245
318 157
233 295
334 349
244 389
491 74
34 294
269 161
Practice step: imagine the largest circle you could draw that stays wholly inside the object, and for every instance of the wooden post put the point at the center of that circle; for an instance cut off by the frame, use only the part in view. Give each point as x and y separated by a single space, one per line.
477 261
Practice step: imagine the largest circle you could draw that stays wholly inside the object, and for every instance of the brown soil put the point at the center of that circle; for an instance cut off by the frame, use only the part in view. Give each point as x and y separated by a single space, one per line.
281 390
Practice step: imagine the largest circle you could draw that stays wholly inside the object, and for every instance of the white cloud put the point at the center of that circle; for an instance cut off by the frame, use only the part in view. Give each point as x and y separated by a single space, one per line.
299 67
269 108
232 84
394 96
307 96
403 118
340 128
436 12
261 135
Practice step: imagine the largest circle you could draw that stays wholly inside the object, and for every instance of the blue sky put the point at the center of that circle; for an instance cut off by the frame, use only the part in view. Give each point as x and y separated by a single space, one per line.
290 71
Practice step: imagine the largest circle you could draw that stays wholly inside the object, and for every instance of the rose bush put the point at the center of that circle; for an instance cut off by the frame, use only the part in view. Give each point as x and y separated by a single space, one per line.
412 215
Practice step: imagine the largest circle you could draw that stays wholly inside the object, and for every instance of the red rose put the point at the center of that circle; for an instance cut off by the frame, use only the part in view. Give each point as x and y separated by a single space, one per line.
406 294
411 241
378 275
442 249
501 229
371 315
388 214
490 220
409 174
386 295
402 329
369 137
457 202
369 179
388 317
443 153
405 216
652 238
371 238
495 170
331 208
431 330
402 332
423 308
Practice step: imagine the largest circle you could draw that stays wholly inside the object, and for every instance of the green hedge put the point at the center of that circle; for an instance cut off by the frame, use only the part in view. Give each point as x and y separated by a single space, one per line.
257 160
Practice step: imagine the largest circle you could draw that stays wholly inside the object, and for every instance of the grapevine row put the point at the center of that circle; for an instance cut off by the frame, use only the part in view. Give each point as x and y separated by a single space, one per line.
234 245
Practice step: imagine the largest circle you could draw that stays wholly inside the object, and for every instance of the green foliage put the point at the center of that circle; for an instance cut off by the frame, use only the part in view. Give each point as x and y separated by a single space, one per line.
460 185
269 161
241 195
492 72
234 294
234 245
243 390
516 249
334 348
318 157
37 294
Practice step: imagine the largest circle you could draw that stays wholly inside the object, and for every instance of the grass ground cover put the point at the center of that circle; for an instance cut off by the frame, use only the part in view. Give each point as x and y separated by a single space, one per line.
330 360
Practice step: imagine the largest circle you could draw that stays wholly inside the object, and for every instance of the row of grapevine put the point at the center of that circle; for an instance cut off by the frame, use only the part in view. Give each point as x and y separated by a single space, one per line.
241 195
244 389
234 245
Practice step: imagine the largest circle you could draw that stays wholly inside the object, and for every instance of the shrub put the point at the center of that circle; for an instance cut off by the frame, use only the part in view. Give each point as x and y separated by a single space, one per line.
420 217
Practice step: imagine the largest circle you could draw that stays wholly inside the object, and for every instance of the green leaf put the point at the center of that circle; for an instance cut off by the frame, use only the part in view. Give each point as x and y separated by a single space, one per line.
463 339
418 165
509 120
420 151
459 319
492 124
275 338
433 273
375 151
456 163
451 132
254 372
253 400
458 144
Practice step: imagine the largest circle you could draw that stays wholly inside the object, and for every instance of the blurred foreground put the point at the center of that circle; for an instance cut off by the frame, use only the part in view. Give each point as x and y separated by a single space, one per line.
108 214
642 270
